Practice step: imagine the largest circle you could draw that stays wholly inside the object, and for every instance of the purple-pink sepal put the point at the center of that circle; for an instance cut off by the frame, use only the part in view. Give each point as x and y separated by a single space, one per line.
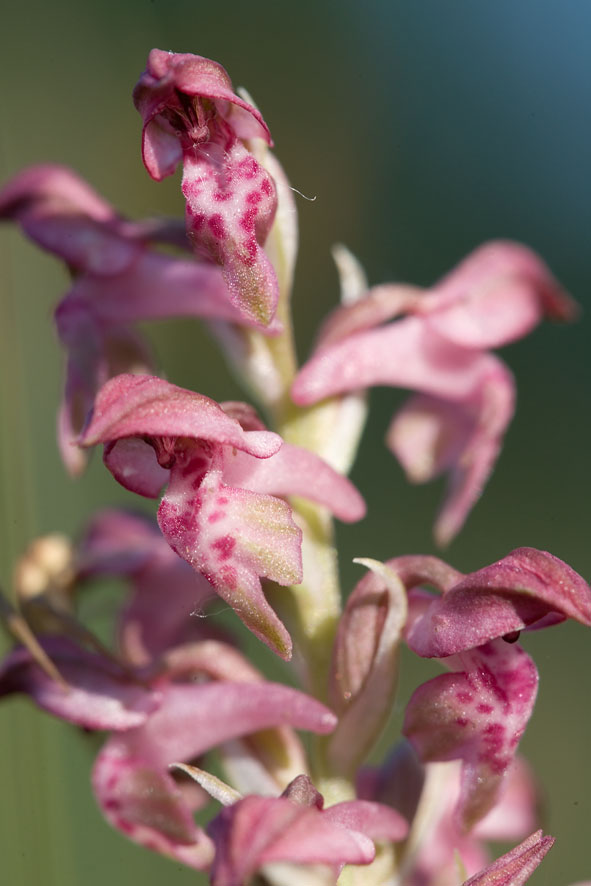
101 693
526 590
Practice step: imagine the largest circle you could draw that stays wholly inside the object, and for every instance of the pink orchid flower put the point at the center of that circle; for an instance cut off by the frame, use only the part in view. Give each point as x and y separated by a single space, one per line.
131 777
158 717
118 281
479 712
220 511
257 832
191 114
439 347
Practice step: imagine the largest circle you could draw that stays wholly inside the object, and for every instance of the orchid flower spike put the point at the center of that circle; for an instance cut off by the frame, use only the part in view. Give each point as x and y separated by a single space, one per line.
440 347
191 114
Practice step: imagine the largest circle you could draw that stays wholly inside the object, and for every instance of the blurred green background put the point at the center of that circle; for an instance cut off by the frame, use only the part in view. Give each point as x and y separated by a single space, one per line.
421 129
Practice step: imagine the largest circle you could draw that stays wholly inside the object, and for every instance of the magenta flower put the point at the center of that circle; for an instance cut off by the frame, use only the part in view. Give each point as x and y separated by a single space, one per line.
479 712
118 281
190 113
257 832
131 777
440 348
220 511
159 718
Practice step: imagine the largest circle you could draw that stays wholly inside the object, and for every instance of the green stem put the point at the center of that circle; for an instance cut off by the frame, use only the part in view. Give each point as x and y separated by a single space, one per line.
311 610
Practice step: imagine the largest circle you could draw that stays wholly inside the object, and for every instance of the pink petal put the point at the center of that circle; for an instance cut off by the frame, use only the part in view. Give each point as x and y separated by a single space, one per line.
516 866
516 811
372 819
430 435
193 718
378 305
156 286
56 186
161 150
527 572
313 838
477 715
101 696
495 296
512 594
403 354
418 569
134 465
297 471
63 214
137 406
